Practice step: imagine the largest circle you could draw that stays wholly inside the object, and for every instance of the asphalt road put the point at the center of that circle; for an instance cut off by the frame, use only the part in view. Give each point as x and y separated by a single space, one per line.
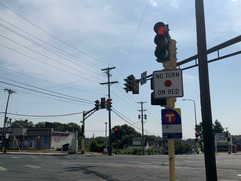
114 168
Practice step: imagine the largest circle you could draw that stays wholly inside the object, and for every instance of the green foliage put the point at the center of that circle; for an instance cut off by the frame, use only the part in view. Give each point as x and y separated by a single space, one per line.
22 123
182 147
97 144
125 134
217 127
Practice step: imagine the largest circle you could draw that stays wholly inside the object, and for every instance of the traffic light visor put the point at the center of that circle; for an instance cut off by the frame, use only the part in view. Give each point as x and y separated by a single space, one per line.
161 53
160 28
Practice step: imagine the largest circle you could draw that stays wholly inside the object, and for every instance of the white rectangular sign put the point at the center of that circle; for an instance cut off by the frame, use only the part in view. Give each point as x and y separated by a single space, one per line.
167 83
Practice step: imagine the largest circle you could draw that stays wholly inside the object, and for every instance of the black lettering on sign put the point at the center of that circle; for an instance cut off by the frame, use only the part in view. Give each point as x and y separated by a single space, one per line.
159 76
172 74
161 92
172 91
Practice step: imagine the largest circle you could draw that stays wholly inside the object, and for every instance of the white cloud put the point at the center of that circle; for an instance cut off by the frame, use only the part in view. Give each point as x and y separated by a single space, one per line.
153 3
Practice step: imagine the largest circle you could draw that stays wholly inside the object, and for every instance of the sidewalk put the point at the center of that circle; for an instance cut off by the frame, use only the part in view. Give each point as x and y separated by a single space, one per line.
36 152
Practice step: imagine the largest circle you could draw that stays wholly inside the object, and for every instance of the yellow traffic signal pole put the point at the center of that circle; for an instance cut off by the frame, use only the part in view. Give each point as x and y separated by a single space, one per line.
171 149
170 104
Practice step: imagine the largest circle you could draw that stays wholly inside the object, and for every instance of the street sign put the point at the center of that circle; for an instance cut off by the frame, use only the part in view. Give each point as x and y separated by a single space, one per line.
143 77
167 83
171 123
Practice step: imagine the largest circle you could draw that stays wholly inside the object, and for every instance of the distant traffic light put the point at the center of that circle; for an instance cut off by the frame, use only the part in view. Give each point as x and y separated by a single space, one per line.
196 134
162 38
132 84
97 105
108 104
135 86
116 132
129 83
102 103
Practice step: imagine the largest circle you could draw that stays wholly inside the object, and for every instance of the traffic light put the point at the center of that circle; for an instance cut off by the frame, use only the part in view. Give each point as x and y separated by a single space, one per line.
82 130
108 104
158 102
162 38
229 137
116 132
135 86
102 103
97 105
196 134
129 83
172 63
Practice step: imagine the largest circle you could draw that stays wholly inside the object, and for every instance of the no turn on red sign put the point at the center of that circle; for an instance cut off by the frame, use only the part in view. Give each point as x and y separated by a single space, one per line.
167 83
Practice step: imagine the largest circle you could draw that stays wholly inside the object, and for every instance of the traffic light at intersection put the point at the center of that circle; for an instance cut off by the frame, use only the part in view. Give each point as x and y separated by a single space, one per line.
131 84
102 103
108 104
161 40
97 105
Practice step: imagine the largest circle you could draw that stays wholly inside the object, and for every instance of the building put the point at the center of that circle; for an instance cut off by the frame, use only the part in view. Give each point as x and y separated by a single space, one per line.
40 139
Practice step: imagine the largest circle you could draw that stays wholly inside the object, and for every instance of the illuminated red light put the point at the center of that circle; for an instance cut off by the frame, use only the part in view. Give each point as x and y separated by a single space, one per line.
160 30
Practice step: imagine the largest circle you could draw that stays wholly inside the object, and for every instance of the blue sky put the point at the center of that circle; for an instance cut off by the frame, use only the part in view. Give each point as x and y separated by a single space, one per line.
61 46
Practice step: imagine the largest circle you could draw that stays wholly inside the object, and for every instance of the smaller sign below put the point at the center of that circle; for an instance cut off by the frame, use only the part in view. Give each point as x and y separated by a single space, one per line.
143 77
171 123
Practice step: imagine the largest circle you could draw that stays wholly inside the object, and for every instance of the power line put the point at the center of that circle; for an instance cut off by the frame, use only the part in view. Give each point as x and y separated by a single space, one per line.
62 96
55 37
59 52
44 116
43 80
129 50
66 65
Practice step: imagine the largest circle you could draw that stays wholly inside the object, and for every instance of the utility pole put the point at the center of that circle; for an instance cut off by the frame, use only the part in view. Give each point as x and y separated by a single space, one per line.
5 120
208 137
142 126
83 135
109 83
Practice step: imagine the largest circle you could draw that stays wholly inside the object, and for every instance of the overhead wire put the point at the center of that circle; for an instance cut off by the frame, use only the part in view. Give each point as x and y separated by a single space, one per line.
55 50
66 65
62 96
55 37
129 50
44 116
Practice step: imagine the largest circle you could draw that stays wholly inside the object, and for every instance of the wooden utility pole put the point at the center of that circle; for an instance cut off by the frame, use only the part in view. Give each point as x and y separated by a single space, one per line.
5 121
142 127
109 83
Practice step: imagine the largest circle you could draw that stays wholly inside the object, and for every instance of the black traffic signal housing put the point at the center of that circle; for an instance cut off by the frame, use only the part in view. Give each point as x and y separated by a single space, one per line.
161 40
132 84
97 105
116 133
102 103
135 86
196 135
82 130
129 83
108 104
157 102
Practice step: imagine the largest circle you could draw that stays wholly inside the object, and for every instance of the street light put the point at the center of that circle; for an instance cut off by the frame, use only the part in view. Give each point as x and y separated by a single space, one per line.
194 103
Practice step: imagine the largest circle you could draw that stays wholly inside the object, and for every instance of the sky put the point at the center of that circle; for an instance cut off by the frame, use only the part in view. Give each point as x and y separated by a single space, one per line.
52 53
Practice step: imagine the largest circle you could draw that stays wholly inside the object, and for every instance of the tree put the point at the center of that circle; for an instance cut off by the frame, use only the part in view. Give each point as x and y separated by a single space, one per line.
217 127
97 144
22 123
125 133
